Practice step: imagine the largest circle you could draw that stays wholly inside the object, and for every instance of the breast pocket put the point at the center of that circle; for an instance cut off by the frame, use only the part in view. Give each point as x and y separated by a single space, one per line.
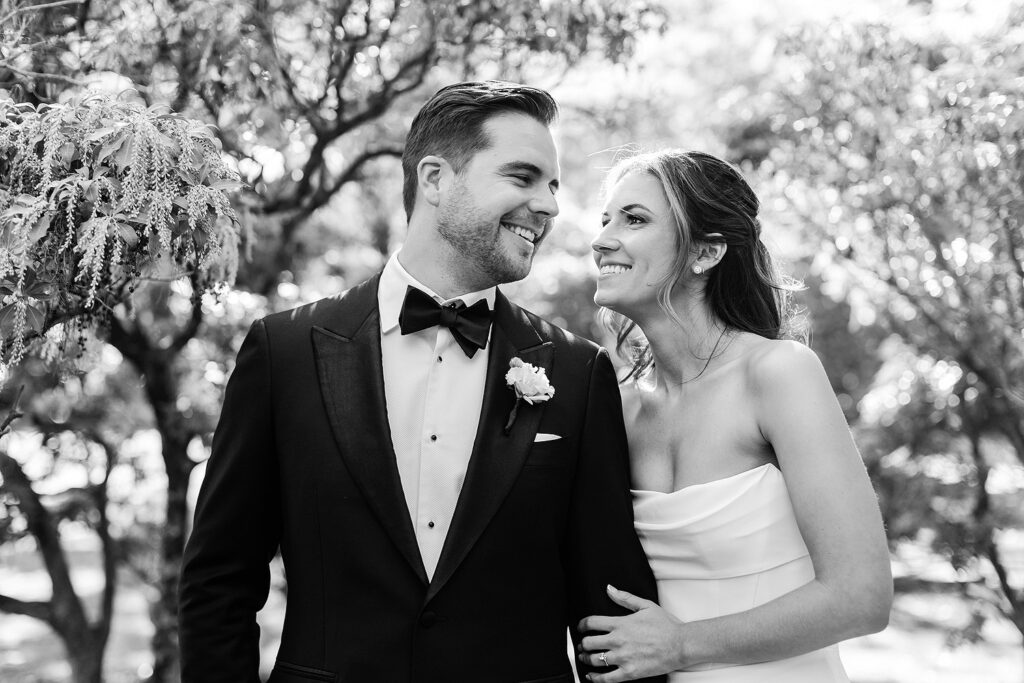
286 672
557 453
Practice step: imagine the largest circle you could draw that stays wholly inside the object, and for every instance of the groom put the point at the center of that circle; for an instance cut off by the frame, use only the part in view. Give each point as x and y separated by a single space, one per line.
434 526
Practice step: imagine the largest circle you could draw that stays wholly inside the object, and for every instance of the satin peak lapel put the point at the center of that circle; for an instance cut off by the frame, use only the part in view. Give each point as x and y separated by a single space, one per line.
352 383
497 457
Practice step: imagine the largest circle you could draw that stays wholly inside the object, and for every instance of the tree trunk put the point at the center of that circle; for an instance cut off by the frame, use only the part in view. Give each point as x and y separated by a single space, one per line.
84 642
164 611
86 660
157 365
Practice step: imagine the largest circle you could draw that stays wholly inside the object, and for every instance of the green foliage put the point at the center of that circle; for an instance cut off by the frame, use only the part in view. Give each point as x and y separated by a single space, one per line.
917 186
95 193
901 159
308 96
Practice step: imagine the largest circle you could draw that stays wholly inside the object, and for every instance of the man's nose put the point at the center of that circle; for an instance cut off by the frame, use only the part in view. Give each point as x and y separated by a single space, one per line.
543 202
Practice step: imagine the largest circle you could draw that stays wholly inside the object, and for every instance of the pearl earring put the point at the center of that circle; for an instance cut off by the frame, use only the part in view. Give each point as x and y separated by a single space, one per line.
697 270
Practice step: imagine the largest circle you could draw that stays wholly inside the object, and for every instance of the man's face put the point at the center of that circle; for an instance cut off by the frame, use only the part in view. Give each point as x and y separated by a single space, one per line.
500 207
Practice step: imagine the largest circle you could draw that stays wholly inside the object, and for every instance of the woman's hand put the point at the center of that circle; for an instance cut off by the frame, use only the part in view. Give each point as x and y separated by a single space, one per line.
645 643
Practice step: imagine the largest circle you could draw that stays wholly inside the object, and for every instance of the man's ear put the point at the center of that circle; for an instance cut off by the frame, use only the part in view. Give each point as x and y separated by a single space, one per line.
433 176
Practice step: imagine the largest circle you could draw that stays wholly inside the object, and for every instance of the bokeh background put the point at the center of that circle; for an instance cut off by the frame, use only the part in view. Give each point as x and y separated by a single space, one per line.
884 138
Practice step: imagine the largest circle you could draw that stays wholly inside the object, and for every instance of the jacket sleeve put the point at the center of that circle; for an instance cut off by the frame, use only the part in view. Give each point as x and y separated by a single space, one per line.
225 575
603 547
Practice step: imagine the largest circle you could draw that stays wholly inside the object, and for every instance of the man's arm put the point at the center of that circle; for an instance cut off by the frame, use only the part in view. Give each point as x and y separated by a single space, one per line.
603 547
225 577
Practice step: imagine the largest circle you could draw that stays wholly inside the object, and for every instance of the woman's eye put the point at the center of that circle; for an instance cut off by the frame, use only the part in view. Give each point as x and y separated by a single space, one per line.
633 219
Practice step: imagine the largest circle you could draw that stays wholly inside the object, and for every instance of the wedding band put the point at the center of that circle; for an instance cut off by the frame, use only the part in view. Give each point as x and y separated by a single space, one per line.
604 658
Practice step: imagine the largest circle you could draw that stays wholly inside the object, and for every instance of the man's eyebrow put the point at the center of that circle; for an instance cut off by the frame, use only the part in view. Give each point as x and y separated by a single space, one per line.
525 167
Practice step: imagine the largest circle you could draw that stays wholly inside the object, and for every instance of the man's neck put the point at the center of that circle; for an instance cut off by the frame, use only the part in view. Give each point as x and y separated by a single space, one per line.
441 273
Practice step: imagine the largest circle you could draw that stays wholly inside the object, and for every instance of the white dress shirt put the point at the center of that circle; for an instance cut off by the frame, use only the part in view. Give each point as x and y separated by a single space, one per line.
434 394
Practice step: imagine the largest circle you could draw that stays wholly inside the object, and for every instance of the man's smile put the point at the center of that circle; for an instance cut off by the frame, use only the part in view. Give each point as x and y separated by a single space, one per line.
527 234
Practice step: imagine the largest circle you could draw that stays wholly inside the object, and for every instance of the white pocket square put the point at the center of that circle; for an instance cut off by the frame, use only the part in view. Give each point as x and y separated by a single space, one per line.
545 437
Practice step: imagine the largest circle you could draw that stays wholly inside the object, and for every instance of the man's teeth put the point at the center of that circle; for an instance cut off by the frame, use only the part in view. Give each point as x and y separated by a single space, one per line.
613 269
527 235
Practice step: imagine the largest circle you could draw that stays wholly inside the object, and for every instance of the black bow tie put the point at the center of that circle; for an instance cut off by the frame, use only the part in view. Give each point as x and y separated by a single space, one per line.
469 326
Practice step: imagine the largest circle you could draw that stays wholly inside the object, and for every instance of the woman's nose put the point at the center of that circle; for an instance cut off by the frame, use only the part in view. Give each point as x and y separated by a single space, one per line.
604 241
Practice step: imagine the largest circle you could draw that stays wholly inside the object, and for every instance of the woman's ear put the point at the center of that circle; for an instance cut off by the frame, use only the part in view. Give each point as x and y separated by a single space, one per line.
432 176
710 254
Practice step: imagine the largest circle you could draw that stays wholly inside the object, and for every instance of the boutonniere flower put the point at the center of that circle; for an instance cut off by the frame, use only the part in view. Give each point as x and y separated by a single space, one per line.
530 384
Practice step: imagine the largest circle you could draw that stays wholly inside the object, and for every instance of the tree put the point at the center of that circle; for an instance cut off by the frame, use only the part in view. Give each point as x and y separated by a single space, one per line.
93 194
82 424
306 97
901 160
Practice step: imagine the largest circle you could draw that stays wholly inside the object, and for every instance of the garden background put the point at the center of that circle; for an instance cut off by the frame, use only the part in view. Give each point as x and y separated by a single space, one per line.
883 137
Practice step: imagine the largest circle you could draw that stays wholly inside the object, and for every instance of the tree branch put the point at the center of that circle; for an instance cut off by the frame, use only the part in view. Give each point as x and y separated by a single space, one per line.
107 545
7 18
131 342
39 610
351 172
352 44
324 193
56 78
980 512
14 413
187 333
66 607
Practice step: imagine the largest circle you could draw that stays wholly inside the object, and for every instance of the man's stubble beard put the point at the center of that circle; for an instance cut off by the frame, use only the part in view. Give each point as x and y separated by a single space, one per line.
477 239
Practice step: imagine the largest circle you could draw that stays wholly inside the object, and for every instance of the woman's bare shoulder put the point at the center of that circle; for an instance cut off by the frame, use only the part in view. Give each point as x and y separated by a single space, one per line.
775 368
778 362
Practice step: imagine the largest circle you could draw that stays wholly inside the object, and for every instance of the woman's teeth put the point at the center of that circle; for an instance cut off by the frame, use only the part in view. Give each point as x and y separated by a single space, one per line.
613 269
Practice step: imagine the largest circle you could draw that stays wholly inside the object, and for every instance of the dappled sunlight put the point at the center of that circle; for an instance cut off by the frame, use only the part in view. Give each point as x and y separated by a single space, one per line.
883 139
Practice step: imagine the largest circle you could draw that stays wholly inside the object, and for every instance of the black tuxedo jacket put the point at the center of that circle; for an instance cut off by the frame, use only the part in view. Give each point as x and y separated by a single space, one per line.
302 460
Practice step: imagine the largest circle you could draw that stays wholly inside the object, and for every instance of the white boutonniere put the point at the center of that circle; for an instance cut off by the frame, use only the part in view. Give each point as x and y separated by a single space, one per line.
530 384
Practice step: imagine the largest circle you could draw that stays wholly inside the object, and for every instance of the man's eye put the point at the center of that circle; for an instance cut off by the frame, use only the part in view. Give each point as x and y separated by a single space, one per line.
521 178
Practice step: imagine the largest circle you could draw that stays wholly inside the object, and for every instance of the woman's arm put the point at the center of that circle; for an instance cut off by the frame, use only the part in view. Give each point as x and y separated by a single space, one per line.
838 516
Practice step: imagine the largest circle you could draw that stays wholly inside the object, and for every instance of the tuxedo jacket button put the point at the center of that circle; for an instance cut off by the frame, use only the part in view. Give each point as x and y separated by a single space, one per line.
428 619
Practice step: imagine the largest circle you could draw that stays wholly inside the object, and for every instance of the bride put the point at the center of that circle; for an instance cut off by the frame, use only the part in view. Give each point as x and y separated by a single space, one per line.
750 498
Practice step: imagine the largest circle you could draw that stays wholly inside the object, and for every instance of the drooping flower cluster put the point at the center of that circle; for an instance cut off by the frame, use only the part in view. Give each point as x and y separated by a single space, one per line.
92 194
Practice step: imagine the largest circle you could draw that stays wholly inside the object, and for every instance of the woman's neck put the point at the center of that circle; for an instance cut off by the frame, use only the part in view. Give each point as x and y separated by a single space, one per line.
683 349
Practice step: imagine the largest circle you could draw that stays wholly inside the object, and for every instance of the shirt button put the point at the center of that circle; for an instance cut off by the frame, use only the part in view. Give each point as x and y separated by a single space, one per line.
440 360
433 437
430 524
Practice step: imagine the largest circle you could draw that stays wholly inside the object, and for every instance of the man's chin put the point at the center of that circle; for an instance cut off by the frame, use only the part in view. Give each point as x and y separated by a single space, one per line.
514 275
514 268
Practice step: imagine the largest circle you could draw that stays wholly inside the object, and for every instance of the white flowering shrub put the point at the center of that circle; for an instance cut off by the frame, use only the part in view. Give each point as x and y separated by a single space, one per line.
93 194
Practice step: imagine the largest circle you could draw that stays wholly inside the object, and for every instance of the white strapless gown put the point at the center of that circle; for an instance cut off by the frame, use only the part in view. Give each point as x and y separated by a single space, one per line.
724 547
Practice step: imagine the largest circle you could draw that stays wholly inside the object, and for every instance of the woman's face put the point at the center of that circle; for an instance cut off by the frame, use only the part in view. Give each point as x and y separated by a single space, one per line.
636 247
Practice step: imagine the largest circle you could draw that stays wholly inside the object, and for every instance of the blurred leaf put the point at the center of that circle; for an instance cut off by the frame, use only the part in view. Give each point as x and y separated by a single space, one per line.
34 318
8 320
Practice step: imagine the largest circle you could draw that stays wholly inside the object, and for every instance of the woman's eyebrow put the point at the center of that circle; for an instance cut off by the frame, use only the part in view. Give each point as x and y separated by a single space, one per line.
629 207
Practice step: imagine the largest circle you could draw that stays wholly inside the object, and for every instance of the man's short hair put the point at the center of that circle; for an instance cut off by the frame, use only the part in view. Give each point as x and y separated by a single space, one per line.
451 124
